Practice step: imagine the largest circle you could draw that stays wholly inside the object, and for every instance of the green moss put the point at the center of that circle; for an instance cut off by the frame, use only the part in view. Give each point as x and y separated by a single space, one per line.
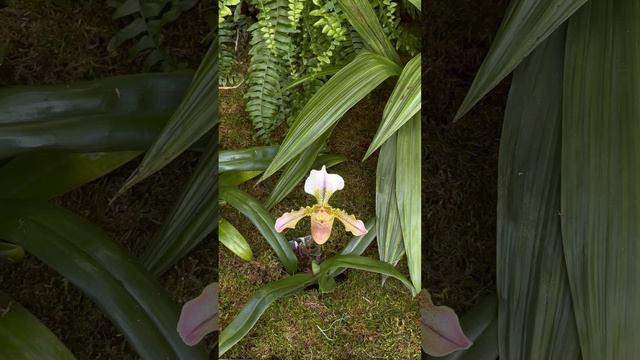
360 319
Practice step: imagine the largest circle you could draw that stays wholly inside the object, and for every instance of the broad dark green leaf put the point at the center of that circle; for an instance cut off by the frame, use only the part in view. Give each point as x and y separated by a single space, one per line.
364 20
235 178
404 103
408 189
250 159
526 24
24 337
196 115
233 240
535 312
256 306
193 218
10 252
334 99
46 175
601 176
389 229
259 216
364 263
82 253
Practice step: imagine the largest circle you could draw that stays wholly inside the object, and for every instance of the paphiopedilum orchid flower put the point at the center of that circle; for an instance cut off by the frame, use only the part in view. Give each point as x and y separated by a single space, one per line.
321 185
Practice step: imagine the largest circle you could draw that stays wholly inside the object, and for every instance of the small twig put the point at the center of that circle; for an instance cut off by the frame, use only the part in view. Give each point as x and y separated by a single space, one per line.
231 87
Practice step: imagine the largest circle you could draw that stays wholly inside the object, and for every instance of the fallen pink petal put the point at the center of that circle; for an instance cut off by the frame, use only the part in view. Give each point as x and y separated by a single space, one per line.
199 316
441 331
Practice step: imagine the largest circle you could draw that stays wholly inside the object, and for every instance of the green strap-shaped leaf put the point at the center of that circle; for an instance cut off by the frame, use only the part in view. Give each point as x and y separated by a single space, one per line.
10 252
334 99
296 171
408 186
480 325
193 218
417 4
46 175
601 176
250 159
259 216
364 20
358 244
535 313
257 305
24 337
196 115
235 178
404 103
82 253
389 230
233 240
527 23
366 264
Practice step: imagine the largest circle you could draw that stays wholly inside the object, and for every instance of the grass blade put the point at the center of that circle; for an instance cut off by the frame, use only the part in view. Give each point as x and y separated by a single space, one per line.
408 187
527 23
195 116
259 216
193 218
334 99
601 176
257 305
535 313
82 253
404 103
24 337
233 240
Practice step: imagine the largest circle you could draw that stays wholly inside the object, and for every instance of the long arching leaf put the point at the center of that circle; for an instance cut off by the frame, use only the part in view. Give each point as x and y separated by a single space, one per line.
404 103
334 99
601 176
193 218
259 216
24 337
408 187
196 115
82 253
535 313
256 306
526 25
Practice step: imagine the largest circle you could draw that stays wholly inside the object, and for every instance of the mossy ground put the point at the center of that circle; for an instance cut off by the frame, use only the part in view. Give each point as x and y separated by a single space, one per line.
360 319
59 41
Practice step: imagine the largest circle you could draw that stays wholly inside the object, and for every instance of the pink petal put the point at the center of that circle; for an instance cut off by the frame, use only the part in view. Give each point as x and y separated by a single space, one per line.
199 316
321 224
441 331
322 185
290 219
351 224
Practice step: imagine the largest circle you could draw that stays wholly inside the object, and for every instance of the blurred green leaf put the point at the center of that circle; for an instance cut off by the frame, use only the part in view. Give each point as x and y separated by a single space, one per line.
196 115
250 159
46 175
233 240
527 23
10 253
600 182
24 337
82 253
193 218
535 313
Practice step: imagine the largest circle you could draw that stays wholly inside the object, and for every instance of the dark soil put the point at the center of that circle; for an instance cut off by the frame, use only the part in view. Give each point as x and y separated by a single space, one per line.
459 159
60 41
